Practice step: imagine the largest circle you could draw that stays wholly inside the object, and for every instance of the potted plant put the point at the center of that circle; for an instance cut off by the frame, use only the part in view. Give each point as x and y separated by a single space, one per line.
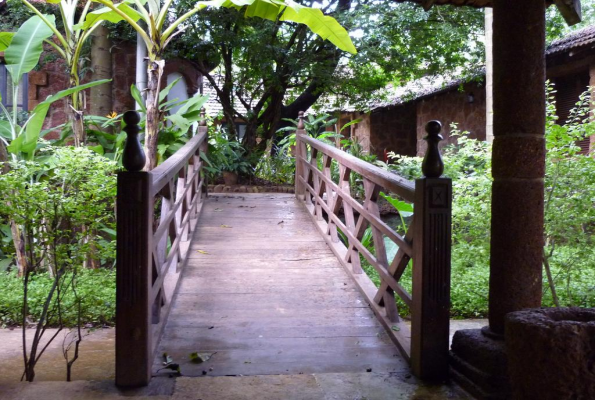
225 158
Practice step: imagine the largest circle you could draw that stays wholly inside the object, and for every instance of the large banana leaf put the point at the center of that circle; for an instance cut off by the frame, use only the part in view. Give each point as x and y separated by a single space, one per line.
326 27
5 39
26 46
27 142
107 14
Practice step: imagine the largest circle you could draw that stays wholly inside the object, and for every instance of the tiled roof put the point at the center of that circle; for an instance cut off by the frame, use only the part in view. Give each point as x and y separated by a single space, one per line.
583 37
213 105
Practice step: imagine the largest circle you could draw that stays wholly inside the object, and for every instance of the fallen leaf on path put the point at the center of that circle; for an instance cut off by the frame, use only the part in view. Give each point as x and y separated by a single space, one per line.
199 358
201 252
226 226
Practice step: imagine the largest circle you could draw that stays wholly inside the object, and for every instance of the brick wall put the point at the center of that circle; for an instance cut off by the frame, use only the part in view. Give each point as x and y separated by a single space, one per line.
52 77
394 129
453 106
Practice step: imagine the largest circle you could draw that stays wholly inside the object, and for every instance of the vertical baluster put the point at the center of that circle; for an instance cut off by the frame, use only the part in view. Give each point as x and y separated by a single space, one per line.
352 253
134 258
315 182
431 264
333 201
372 192
204 147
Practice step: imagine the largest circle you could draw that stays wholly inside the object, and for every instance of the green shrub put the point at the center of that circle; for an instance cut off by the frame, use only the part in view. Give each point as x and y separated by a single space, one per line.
96 289
569 215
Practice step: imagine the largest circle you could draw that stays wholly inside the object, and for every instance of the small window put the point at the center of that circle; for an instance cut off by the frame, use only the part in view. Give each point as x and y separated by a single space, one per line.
6 88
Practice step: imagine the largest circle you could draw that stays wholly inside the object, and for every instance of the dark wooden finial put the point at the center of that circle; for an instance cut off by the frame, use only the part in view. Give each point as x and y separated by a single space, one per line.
433 166
203 117
133 157
301 120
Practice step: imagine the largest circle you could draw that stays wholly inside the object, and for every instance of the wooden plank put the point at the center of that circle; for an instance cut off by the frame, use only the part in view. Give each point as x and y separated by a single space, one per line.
399 332
270 298
242 301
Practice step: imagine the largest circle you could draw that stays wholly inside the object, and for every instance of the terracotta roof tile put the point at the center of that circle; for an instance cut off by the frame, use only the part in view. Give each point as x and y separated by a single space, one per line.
576 39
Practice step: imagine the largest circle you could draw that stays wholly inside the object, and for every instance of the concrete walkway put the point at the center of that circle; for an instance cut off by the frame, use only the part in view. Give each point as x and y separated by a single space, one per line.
94 373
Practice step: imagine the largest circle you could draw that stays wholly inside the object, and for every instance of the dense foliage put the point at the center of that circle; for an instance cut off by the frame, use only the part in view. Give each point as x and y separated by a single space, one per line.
569 255
96 289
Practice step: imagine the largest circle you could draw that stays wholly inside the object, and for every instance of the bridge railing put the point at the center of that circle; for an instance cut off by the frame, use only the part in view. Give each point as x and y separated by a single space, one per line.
156 214
323 183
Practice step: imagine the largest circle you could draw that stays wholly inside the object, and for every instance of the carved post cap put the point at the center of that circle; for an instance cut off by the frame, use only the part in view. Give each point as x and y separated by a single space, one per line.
203 117
432 165
133 157
301 120
131 117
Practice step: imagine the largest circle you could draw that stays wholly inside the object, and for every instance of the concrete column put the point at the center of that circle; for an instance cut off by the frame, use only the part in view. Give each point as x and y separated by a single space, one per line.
518 158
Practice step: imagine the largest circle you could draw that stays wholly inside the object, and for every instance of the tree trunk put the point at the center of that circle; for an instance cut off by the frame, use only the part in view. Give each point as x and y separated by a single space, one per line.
155 70
75 109
101 101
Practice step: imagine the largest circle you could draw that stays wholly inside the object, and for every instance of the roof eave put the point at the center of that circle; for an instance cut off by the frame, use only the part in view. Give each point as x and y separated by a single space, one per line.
570 9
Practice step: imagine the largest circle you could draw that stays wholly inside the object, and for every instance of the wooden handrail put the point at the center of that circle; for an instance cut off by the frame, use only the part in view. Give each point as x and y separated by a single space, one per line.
150 258
427 241
164 172
391 182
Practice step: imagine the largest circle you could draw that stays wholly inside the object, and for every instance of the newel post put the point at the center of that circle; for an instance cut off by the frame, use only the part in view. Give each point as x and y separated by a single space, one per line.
431 264
300 152
134 217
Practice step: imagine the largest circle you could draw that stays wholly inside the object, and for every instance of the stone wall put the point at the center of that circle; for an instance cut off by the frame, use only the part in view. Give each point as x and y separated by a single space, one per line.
453 106
394 129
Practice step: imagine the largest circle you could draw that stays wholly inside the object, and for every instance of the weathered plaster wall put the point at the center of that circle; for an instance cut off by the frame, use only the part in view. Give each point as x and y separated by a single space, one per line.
394 129
453 106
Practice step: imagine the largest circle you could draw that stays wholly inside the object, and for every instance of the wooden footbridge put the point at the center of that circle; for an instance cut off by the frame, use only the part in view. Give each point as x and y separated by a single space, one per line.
253 284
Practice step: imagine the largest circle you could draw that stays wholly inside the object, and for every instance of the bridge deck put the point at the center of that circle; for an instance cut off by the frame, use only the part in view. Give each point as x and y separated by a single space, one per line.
265 294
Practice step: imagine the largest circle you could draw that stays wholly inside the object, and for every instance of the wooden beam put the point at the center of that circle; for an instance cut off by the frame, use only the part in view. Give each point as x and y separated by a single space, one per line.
427 4
570 10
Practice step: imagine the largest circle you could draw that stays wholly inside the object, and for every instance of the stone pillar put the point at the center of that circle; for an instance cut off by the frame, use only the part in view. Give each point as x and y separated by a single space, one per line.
478 357
518 158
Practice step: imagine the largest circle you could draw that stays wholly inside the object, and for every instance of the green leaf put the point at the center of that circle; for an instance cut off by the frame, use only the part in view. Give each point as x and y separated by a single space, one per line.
97 149
405 209
27 141
324 26
163 94
193 105
199 358
347 125
4 264
26 46
138 97
5 130
180 122
107 14
5 39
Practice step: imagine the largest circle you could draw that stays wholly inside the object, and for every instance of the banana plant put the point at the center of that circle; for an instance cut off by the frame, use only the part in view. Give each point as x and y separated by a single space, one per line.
157 36
69 45
22 55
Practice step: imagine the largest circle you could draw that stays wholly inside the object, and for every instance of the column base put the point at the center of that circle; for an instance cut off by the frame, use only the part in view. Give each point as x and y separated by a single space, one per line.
478 364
